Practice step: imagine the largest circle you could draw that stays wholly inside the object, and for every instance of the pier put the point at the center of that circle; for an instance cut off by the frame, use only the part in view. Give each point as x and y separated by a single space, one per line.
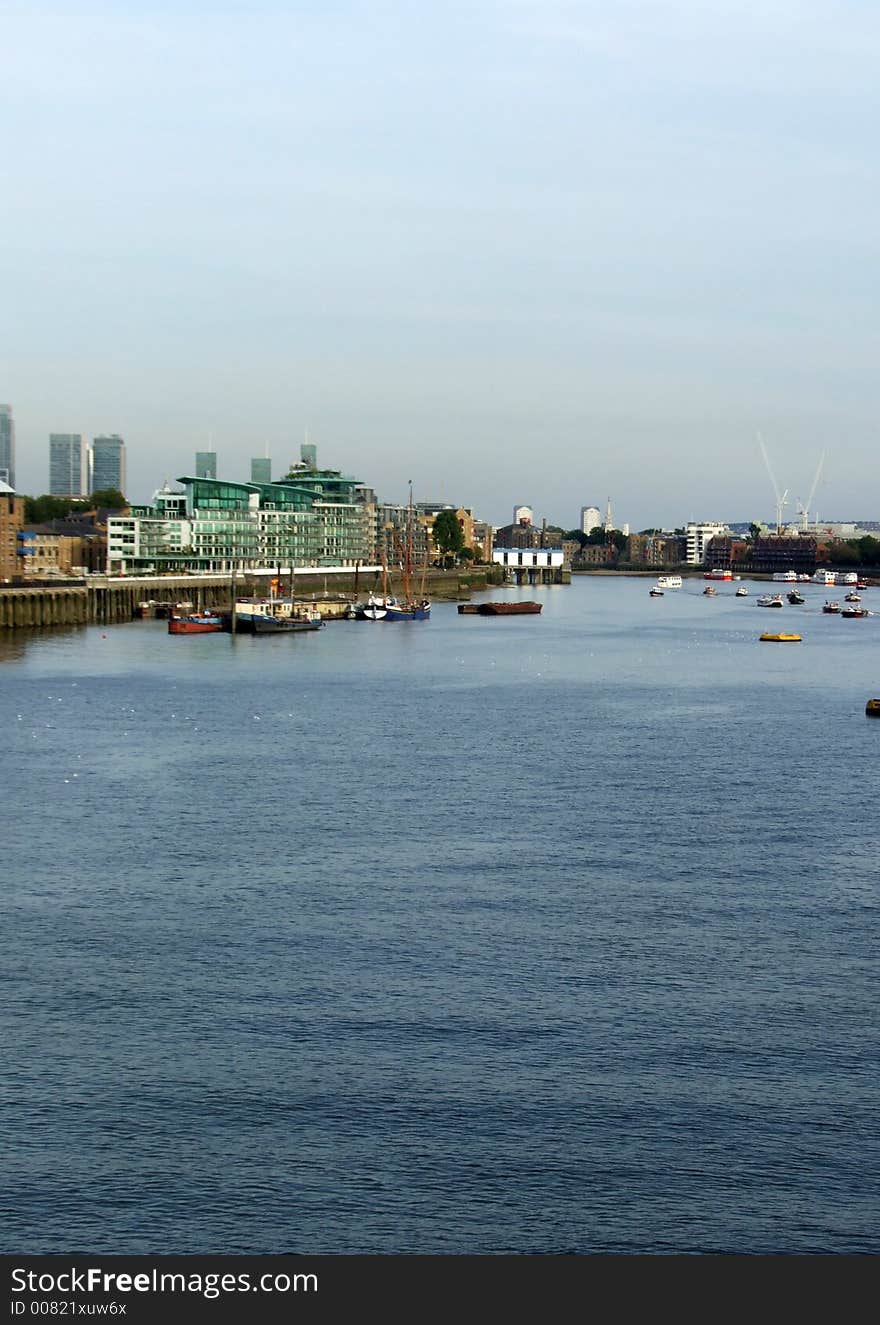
108 600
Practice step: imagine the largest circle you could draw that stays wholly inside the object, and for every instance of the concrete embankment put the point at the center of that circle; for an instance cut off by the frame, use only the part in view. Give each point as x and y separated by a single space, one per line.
104 600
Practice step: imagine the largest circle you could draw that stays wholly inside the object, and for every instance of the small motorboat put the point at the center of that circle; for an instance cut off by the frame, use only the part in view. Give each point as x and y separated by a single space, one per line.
795 596
852 597
655 592
830 606
855 612
710 591
742 592
861 584
770 600
781 639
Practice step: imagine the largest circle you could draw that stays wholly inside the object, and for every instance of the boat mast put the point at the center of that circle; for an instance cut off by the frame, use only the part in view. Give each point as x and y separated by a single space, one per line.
408 550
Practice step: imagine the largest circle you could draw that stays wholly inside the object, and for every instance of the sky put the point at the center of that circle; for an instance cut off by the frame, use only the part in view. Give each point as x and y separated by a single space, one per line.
542 252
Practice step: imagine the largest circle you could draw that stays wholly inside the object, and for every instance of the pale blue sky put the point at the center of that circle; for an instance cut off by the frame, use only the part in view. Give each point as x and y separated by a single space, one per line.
516 251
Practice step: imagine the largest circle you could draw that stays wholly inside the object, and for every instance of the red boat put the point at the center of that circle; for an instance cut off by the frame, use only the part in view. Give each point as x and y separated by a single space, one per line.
196 623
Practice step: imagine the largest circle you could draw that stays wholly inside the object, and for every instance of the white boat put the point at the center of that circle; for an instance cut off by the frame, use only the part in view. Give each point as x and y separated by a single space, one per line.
742 592
825 577
770 600
668 581
655 591
785 577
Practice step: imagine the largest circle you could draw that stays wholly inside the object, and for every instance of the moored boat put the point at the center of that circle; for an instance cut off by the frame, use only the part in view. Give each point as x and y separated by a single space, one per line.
669 581
274 615
281 625
521 608
195 623
717 573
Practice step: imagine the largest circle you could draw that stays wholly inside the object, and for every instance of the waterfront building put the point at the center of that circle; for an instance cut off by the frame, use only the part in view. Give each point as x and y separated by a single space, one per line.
11 524
7 446
531 565
261 470
698 537
590 519
526 535
206 464
108 463
597 554
785 552
426 514
310 518
70 465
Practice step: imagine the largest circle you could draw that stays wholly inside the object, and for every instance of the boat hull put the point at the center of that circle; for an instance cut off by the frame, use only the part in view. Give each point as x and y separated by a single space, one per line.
509 609
194 625
281 625
781 639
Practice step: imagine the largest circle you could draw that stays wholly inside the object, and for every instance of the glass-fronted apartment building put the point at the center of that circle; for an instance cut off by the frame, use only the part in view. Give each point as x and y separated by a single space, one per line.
311 518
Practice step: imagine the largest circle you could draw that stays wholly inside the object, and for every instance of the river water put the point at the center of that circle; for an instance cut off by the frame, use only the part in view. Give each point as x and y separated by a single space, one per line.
545 934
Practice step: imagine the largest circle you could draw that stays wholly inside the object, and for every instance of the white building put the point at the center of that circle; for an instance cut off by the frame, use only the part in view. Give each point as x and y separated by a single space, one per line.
698 536
590 519
529 558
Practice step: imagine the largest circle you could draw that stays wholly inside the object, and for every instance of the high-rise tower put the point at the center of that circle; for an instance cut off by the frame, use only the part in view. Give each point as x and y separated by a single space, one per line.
108 463
7 446
70 465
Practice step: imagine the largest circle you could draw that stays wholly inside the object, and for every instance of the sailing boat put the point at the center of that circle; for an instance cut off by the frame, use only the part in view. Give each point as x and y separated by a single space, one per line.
386 607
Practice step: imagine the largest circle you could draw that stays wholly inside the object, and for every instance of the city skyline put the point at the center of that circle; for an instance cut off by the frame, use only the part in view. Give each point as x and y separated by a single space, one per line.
509 247
112 472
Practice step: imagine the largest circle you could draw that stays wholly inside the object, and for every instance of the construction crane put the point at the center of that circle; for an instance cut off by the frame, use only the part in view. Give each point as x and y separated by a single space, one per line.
804 507
781 498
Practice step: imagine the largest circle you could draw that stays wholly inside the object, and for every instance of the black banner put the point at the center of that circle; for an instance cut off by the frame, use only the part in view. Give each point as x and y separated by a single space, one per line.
275 1288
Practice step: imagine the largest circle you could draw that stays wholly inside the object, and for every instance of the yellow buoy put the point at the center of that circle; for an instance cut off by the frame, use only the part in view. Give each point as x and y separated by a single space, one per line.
872 708
782 639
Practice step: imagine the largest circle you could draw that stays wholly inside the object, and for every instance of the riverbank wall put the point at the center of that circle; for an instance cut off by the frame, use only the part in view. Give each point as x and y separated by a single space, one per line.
105 600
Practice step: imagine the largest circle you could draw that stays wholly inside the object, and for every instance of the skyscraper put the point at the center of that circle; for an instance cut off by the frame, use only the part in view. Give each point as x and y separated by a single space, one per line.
70 465
108 463
261 470
590 519
206 464
7 446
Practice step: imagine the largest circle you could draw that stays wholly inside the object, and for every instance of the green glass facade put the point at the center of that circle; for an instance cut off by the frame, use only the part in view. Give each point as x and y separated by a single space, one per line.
317 518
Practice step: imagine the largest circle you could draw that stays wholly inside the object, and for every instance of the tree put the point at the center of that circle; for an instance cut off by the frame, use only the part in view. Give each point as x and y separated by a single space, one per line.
575 536
754 531
108 499
447 534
